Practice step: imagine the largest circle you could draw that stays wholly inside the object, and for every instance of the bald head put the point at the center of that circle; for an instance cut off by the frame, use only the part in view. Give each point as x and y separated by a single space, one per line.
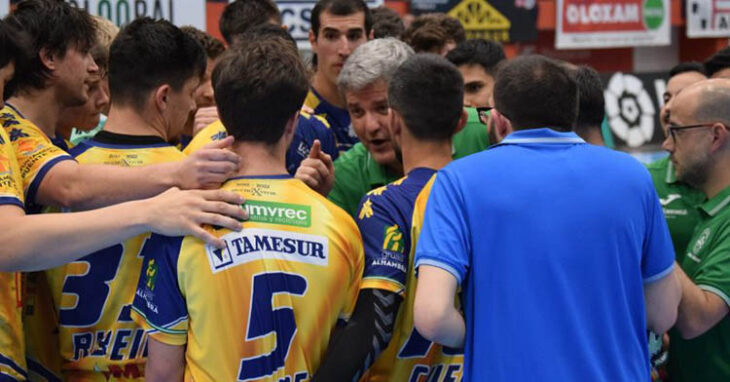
707 100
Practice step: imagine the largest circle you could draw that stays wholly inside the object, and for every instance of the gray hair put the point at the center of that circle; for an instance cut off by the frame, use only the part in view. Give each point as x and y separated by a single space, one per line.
713 102
375 60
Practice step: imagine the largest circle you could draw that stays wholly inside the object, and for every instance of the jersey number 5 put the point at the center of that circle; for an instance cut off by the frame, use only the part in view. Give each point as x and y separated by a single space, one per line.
263 319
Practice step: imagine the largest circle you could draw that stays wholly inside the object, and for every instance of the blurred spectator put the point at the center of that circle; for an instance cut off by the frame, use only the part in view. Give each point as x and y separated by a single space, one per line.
718 65
240 15
477 61
387 23
434 33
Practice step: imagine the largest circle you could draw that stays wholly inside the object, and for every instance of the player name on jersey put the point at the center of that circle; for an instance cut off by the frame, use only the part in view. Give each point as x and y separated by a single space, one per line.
255 244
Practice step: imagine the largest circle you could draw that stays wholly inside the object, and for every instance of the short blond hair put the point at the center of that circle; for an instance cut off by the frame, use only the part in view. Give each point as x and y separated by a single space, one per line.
106 31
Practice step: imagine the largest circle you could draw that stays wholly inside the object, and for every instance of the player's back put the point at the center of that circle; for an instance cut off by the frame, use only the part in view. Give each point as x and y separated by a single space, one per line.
389 215
263 308
98 339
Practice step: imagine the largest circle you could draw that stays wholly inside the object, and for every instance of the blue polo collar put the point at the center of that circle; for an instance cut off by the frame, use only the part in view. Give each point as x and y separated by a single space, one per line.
541 136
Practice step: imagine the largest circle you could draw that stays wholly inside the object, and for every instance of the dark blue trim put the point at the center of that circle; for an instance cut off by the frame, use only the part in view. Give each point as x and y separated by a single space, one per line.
9 362
37 368
15 110
5 200
92 142
33 188
7 378
279 176
79 149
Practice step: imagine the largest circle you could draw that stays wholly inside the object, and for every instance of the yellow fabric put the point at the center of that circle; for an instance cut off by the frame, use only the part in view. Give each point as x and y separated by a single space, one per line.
395 364
111 349
219 303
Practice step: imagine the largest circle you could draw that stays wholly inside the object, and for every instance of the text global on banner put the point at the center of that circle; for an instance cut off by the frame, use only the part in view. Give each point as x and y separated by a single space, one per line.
708 18
122 12
612 23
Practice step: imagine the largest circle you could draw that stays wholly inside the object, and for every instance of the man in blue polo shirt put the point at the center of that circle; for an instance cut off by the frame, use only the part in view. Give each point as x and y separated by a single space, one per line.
553 265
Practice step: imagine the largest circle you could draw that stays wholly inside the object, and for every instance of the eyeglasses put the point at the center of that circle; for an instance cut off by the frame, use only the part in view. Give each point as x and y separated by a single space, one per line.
483 113
673 129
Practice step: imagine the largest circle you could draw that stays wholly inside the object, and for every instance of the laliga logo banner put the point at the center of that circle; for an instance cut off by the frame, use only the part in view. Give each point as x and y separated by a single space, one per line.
612 23
708 18
633 102
122 12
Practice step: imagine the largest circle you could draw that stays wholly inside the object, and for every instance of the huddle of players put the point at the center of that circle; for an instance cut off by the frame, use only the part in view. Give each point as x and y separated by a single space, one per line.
198 297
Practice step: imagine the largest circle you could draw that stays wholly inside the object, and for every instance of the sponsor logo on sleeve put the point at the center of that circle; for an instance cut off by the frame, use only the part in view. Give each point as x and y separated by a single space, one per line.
254 244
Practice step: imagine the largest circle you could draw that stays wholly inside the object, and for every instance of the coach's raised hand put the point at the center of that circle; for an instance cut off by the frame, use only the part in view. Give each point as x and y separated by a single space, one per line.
317 171
208 167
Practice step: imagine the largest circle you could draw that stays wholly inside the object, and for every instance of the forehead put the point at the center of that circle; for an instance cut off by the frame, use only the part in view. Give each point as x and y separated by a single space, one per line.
374 92
474 72
342 23
682 80
683 103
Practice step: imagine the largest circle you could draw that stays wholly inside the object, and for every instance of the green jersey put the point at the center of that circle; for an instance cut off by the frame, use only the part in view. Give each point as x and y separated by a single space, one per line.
679 203
707 263
356 172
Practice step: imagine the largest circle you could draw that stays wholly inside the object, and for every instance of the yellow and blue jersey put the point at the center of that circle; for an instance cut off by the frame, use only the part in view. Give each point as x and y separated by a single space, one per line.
35 152
98 341
338 120
389 219
12 344
308 129
263 308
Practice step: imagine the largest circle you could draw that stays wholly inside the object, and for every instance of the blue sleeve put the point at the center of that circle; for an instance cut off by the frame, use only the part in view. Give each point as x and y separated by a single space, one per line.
444 240
385 244
158 302
657 258
327 138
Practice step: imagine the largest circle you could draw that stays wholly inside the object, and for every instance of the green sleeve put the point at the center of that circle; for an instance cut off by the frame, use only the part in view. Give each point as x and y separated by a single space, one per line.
349 186
714 273
473 138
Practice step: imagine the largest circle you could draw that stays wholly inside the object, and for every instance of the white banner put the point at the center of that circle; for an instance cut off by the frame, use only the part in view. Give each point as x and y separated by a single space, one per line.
297 16
708 18
122 12
585 24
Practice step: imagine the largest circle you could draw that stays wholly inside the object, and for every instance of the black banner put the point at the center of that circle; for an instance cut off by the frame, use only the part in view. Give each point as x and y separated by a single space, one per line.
498 20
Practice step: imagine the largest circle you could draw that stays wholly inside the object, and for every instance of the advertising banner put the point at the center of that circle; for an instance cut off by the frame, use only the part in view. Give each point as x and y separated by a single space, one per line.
708 18
585 24
122 12
498 20
633 102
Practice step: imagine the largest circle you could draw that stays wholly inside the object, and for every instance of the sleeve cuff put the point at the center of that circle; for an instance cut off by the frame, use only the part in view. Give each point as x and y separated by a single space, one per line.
36 183
383 284
660 275
715 291
440 264
9 200
166 336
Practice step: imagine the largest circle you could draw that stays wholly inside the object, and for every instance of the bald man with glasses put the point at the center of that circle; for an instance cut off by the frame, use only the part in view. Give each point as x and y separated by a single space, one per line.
698 140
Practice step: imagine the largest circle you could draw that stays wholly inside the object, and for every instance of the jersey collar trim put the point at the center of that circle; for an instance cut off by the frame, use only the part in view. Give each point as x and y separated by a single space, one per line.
15 109
542 136
713 206
276 176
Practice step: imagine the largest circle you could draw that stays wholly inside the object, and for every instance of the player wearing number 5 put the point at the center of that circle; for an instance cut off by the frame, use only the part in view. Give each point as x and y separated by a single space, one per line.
263 308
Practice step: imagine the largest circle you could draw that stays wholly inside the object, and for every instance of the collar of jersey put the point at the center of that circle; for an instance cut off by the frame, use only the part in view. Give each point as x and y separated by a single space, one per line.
720 201
277 176
541 136
15 109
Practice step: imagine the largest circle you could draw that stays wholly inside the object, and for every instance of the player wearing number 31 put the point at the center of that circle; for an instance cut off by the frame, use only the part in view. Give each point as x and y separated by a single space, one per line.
262 308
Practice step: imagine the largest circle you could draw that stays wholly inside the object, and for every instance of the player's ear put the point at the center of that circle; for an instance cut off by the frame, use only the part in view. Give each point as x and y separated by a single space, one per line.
396 125
161 97
502 126
48 59
312 39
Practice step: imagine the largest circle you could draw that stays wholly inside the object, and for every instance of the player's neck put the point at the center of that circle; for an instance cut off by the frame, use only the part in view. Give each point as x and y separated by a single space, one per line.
260 159
40 107
719 179
127 121
327 90
434 155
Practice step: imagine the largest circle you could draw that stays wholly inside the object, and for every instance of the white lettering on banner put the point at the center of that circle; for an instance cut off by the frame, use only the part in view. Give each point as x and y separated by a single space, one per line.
122 12
602 13
297 16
